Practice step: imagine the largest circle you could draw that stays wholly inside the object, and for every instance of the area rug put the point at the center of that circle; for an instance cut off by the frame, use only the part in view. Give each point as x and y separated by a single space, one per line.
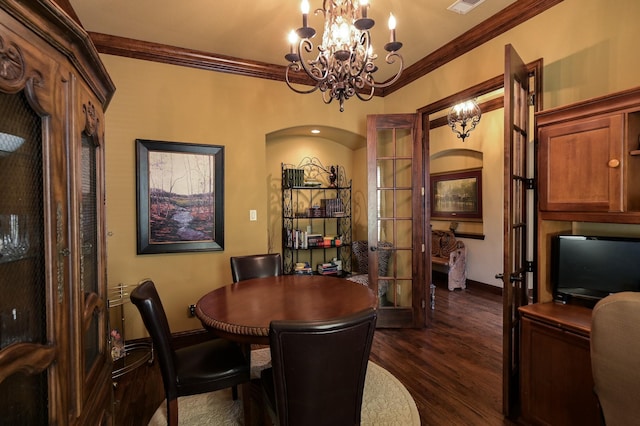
385 402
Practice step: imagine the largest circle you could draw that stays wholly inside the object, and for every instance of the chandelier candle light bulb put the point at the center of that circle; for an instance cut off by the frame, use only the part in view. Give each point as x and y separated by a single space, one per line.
293 40
392 28
304 6
364 4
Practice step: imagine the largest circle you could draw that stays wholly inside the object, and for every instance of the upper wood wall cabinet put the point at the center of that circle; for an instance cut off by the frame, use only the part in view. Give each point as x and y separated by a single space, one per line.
55 363
589 161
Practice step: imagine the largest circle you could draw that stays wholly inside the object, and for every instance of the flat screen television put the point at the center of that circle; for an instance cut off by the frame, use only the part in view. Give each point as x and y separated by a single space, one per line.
589 268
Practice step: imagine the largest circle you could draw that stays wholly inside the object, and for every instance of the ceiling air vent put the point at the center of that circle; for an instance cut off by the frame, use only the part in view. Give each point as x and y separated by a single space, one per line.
464 6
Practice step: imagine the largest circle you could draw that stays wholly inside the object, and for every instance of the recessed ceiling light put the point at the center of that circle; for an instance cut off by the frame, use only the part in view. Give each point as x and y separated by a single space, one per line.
315 131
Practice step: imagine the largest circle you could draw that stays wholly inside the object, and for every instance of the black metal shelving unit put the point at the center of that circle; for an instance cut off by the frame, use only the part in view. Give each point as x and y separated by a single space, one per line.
316 200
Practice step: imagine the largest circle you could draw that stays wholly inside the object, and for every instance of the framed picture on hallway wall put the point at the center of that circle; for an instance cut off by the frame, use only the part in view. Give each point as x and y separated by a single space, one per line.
180 197
457 195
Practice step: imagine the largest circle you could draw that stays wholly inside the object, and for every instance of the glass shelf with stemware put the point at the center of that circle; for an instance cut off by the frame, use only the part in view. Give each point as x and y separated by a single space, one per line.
14 237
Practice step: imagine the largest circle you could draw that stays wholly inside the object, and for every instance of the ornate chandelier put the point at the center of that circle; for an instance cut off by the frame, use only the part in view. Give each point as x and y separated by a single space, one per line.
463 118
344 65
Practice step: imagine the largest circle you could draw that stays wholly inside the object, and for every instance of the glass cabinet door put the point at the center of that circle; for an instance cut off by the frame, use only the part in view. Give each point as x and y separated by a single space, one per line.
89 274
23 295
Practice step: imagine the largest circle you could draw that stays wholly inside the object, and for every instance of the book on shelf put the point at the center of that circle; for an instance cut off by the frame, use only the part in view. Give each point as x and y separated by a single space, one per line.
331 206
315 240
299 239
327 268
296 239
293 178
302 268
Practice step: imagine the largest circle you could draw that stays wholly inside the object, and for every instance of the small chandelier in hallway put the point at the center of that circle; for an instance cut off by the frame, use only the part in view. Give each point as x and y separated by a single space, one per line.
463 118
344 65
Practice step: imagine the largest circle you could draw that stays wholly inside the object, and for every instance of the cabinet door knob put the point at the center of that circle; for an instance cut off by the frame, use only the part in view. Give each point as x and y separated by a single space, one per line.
613 163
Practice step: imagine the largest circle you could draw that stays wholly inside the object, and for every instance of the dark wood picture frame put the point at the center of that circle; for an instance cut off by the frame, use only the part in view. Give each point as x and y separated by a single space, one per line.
180 197
457 195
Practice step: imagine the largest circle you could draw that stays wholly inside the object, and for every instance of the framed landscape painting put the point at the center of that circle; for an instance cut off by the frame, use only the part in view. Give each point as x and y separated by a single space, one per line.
180 199
457 195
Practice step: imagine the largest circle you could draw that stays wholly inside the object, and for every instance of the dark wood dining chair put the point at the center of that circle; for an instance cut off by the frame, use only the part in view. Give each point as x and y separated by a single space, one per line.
319 369
203 367
255 266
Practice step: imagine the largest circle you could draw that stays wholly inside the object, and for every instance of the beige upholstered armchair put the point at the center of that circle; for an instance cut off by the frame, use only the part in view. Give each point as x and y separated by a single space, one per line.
615 357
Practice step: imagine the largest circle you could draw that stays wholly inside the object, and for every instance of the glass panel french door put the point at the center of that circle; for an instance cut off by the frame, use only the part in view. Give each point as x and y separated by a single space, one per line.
516 220
396 209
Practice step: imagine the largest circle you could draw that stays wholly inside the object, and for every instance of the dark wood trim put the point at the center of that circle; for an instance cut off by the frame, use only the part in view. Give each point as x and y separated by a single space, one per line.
623 100
487 86
605 217
487 288
469 235
440 280
479 89
156 52
485 107
510 17
181 339
66 6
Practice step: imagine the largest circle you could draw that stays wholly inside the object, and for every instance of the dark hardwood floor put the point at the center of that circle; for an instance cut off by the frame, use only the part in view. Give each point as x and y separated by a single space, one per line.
453 368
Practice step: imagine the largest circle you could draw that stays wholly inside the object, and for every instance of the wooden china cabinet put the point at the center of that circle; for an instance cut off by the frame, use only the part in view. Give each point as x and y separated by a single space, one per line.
55 364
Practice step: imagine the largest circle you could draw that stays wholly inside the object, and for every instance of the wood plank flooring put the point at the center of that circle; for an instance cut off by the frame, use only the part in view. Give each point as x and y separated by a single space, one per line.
453 368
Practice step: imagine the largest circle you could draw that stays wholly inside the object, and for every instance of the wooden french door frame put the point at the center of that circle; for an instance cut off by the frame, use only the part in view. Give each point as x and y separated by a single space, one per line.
396 218
519 212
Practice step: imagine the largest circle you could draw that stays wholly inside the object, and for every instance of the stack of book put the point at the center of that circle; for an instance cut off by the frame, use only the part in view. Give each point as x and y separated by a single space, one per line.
303 268
327 268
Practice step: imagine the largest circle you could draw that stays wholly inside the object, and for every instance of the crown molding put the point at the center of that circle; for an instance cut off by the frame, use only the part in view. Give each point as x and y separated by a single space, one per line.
508 18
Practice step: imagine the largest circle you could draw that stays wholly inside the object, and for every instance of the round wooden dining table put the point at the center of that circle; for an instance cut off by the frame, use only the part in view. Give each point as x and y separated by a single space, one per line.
243 311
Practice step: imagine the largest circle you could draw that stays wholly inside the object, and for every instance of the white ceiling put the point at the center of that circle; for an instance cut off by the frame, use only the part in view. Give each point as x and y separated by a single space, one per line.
257 30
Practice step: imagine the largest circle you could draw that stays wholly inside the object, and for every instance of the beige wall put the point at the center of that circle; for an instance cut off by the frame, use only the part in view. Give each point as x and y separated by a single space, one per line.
588 47
169 103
